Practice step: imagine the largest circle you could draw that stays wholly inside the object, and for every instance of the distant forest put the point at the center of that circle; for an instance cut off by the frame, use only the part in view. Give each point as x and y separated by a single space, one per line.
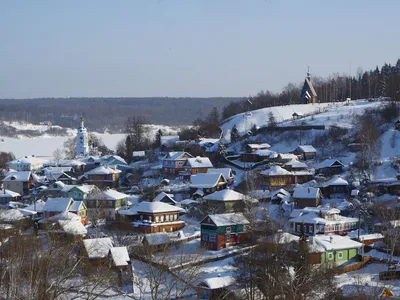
109 113
383 82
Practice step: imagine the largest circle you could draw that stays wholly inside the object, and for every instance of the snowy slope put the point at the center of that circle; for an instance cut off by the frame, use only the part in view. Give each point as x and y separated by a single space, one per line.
336 113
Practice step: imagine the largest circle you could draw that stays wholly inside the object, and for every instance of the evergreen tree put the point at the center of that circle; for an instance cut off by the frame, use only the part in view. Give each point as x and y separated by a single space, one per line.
128 148
234 134
157 141
253 129
272 123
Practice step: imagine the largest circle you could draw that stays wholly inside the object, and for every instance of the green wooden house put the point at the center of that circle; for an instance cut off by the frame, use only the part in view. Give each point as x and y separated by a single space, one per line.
223 230
335 248
80 192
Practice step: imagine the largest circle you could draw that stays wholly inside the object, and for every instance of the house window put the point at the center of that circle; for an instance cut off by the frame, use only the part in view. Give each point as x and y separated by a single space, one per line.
340 255
337 227
311 228
298 228
162 218
150 218
175 217
167 218
212 237
157 219
228 229
228 238
205 237
330 256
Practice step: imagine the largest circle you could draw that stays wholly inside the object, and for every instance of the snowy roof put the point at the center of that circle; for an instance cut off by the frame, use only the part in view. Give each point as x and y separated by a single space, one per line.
218 282
306 148
188 202
176 155
104 170
336 180
306 192
85 188
364 237
120 256
265 153
98 248
336 242
57 204
199 192
76 205
275 171
161 195
280 191
39 206
294 163
112 157
159 238
227 219
109 194
227 172
18 176
138 153
227 195
199 162
74 227
8 194
156 207
328 163
28 160
66 215
311 218
72 163
258 146
205 180
288 156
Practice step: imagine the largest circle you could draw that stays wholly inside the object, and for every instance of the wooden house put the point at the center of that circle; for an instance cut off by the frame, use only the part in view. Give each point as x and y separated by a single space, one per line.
79 208
120 258
223 230
97 250
306 196
174 162
207 183
258 156
105 204
277 176
225 201
315 221
81 192
254 147
286 157
152 217
19 182
336 187
103 177
195 165
330 167
308 94
55 206
6 196
305 152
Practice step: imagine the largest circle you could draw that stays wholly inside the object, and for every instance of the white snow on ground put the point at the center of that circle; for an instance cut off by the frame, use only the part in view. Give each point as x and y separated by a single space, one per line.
390 148
46 145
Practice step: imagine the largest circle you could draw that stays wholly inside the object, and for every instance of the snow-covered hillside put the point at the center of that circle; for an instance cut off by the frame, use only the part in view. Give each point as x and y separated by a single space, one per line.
335 113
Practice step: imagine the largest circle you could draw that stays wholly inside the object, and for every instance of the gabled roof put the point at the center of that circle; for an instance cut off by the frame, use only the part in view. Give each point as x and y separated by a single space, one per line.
294 163
275 171
72 163
336 180
228 195
177 155
38 206
328 163
74 227
288 156
227 219
18 176
57 204
281 238
85 188
98 248
76 206
120 256
306 148
159 238
103 170
156 207
265 153
199 162
227 172
161 195
206 180
28 160
306 192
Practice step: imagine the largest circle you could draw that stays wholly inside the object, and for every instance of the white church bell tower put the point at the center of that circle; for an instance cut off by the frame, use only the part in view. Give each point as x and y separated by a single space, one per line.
82 141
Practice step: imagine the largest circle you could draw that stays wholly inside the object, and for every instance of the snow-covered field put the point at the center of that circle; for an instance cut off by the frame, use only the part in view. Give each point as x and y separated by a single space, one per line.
45 145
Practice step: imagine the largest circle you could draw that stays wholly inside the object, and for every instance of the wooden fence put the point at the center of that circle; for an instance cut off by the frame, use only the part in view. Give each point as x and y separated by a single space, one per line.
356 266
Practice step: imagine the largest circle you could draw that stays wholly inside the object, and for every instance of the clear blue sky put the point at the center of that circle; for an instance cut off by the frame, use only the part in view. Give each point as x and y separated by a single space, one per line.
186 48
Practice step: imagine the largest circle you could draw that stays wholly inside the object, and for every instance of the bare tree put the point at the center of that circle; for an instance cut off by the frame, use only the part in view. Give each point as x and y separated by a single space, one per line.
58 155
